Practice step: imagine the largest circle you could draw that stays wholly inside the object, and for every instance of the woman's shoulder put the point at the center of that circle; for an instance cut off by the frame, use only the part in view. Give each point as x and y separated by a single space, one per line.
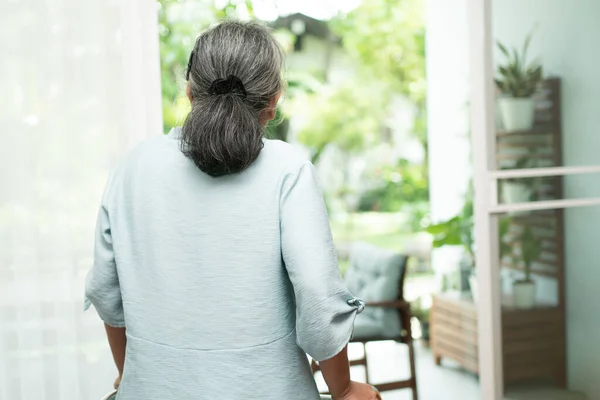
283 156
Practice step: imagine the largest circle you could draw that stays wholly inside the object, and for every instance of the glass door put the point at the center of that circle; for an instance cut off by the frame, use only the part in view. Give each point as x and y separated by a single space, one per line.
534 131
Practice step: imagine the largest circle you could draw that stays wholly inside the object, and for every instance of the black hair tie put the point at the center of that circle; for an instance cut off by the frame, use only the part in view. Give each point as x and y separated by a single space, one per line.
230 85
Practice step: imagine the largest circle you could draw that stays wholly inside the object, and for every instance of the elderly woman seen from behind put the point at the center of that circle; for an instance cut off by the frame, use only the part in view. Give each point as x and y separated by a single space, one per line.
215 271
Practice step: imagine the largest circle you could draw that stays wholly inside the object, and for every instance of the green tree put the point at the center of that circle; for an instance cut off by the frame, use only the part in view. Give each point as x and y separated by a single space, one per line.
403 182
296 83
387 37
386 40
349 117
177 34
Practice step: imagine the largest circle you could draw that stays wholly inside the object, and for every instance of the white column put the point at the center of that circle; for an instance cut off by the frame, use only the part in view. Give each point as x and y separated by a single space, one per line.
447 64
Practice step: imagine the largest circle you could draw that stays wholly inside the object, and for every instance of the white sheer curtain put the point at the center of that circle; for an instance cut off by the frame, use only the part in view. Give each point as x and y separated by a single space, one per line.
79 86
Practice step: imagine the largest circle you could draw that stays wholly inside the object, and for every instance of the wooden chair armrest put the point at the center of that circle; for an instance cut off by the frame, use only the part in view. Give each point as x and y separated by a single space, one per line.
397 304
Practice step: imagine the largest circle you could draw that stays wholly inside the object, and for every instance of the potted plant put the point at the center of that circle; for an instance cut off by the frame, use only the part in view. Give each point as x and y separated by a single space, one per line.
524 289
517 81
458 231
517 190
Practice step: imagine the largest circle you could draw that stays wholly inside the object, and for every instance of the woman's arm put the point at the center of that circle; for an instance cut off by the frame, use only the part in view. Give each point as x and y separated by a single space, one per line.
102 289
118 342
325 309
336 372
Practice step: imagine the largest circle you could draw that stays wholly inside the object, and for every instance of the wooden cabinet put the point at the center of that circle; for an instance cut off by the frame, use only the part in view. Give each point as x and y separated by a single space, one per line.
454 330
533 341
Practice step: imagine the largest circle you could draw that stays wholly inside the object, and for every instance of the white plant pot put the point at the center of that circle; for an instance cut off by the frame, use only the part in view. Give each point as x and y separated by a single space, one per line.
524 294
514 192
517 113
473 285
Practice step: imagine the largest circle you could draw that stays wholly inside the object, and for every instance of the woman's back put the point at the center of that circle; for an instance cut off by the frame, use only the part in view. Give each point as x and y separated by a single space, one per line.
191 248
205 294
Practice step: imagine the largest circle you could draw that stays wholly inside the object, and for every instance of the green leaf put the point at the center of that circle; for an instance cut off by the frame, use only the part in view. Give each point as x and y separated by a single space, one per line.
536 75
503 49
504 70
518 78
443 227
517 64
452 239
526 46
531 249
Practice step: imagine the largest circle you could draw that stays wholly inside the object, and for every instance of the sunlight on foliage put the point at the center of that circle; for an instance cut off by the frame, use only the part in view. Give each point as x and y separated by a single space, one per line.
350 117
388 36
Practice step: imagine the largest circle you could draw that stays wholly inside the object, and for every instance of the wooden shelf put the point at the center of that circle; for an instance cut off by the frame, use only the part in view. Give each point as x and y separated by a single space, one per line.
539 130
549 271
532 339
501 157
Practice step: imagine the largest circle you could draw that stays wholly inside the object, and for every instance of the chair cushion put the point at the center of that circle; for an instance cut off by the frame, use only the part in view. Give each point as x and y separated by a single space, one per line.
365 327
373 275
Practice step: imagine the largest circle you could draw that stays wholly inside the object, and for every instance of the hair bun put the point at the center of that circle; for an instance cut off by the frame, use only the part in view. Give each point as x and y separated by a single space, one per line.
231 85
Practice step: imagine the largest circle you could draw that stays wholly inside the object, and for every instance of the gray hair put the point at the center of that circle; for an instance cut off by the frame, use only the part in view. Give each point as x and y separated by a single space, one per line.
223 133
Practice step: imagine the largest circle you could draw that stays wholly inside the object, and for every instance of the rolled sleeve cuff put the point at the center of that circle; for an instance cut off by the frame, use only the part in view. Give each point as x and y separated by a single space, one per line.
338 333
114 318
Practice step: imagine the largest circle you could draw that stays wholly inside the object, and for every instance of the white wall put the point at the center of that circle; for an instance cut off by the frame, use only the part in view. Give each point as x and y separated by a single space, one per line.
567 40
448 120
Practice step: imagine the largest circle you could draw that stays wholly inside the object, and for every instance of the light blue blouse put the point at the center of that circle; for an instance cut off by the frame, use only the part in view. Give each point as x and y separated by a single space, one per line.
224 284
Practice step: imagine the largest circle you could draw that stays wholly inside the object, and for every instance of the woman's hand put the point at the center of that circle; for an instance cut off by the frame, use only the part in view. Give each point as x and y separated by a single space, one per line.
359 391
117 382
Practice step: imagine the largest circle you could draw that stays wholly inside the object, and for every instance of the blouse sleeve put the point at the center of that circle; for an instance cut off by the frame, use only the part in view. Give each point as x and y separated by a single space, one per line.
325 309
102 283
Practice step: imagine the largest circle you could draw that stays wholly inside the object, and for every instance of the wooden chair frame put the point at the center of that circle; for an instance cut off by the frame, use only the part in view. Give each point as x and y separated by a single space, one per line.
403 308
